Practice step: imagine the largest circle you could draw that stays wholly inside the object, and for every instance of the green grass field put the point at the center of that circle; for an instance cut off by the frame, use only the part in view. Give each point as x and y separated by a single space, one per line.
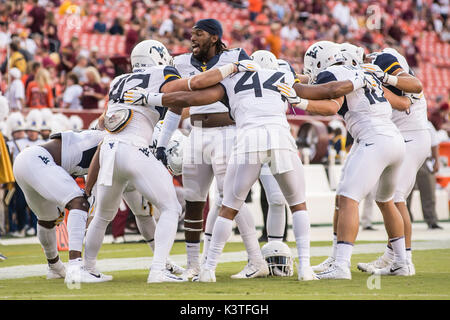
430 283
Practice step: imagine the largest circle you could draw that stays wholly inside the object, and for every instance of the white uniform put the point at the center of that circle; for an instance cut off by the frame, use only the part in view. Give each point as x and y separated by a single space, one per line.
47 186
207 149
126 159
263 136
378 150
412 124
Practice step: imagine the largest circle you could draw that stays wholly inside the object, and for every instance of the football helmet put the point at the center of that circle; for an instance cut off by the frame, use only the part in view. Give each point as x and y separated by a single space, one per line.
174 153
353 55
279 258
47 115
34 120
76 123
320 56
15 122
149 53
265 59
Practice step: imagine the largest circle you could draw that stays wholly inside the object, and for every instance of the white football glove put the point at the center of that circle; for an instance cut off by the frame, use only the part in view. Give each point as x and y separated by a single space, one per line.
414 97
291 96
380 74
247 65
136 96
363 80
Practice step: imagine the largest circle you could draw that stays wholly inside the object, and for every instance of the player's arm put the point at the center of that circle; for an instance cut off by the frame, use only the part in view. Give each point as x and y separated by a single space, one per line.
387 68
184 99
400 103
209 78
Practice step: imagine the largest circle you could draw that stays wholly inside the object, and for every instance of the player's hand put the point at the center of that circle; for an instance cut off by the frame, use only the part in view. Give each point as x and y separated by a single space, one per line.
136 96
161 155
414 97
376 70
247 65
288 92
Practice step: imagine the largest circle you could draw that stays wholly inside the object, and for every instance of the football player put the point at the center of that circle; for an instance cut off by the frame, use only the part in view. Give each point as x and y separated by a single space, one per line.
207 149
379 146
392 69
125 158
45 174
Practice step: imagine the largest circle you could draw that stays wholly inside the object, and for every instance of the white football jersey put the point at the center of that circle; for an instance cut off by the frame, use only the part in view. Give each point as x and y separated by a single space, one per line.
366 112
283 65
259 109
139 129
389 60
77 150
189 66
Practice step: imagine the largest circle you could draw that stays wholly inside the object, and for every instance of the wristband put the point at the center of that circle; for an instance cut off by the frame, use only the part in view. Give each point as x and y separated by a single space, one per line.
392 80
303 104
189 84
357 82
155 99
226 70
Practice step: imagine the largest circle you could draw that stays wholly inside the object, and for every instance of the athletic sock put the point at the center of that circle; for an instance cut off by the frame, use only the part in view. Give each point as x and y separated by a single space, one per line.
409 255
344 253
276 222
94 240
165 233
388 253
212 216
193 254
147 227
301 226
333 249
76 228
221 233
247 230
399 248
47 238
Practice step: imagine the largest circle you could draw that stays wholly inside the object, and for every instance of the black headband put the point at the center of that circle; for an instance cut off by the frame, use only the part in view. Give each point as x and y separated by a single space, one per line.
212 26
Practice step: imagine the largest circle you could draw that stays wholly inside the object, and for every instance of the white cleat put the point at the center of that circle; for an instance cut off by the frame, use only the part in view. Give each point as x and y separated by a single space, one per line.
323 266
207 275
251 270
158 276
78 274
173 268
307 274
394 269
190 273
380 263
56 271
336 271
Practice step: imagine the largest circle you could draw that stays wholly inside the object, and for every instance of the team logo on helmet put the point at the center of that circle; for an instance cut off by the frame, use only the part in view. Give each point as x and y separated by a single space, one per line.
159 49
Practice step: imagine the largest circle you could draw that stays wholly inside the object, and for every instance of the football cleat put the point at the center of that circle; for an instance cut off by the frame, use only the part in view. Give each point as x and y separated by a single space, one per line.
394 269
79 274
207 275
2 257
380 263
156 276
190 272
253 271
56 271
173 267
307 274
324 265
336 271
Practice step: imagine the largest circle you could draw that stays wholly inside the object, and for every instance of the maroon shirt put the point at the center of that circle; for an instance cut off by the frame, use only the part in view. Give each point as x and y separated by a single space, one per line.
88 101
38 15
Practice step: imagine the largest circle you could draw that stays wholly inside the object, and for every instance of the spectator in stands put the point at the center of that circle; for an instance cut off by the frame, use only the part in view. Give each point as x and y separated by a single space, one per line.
132 36
33 67
273 39
439 115
396 32
290 31
51 32
100 24
72 94
255 8
39 91
117 27
16 91
80 68
93 91
107 69
69 54
37 15
17 59
5 35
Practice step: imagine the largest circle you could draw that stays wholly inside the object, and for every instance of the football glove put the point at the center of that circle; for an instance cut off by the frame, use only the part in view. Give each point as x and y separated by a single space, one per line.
291 96
247 65
161 155
136 96
380 74
414 97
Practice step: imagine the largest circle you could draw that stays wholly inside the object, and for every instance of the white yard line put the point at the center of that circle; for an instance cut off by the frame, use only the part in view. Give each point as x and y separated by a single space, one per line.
143 263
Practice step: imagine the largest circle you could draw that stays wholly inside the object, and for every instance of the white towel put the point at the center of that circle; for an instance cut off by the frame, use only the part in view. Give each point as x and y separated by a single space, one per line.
107 158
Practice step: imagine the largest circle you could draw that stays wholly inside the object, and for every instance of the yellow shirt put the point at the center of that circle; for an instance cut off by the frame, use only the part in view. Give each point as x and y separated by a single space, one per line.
17 60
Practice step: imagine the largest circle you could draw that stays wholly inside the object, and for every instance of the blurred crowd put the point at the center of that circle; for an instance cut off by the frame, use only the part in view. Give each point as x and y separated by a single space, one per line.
42 66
